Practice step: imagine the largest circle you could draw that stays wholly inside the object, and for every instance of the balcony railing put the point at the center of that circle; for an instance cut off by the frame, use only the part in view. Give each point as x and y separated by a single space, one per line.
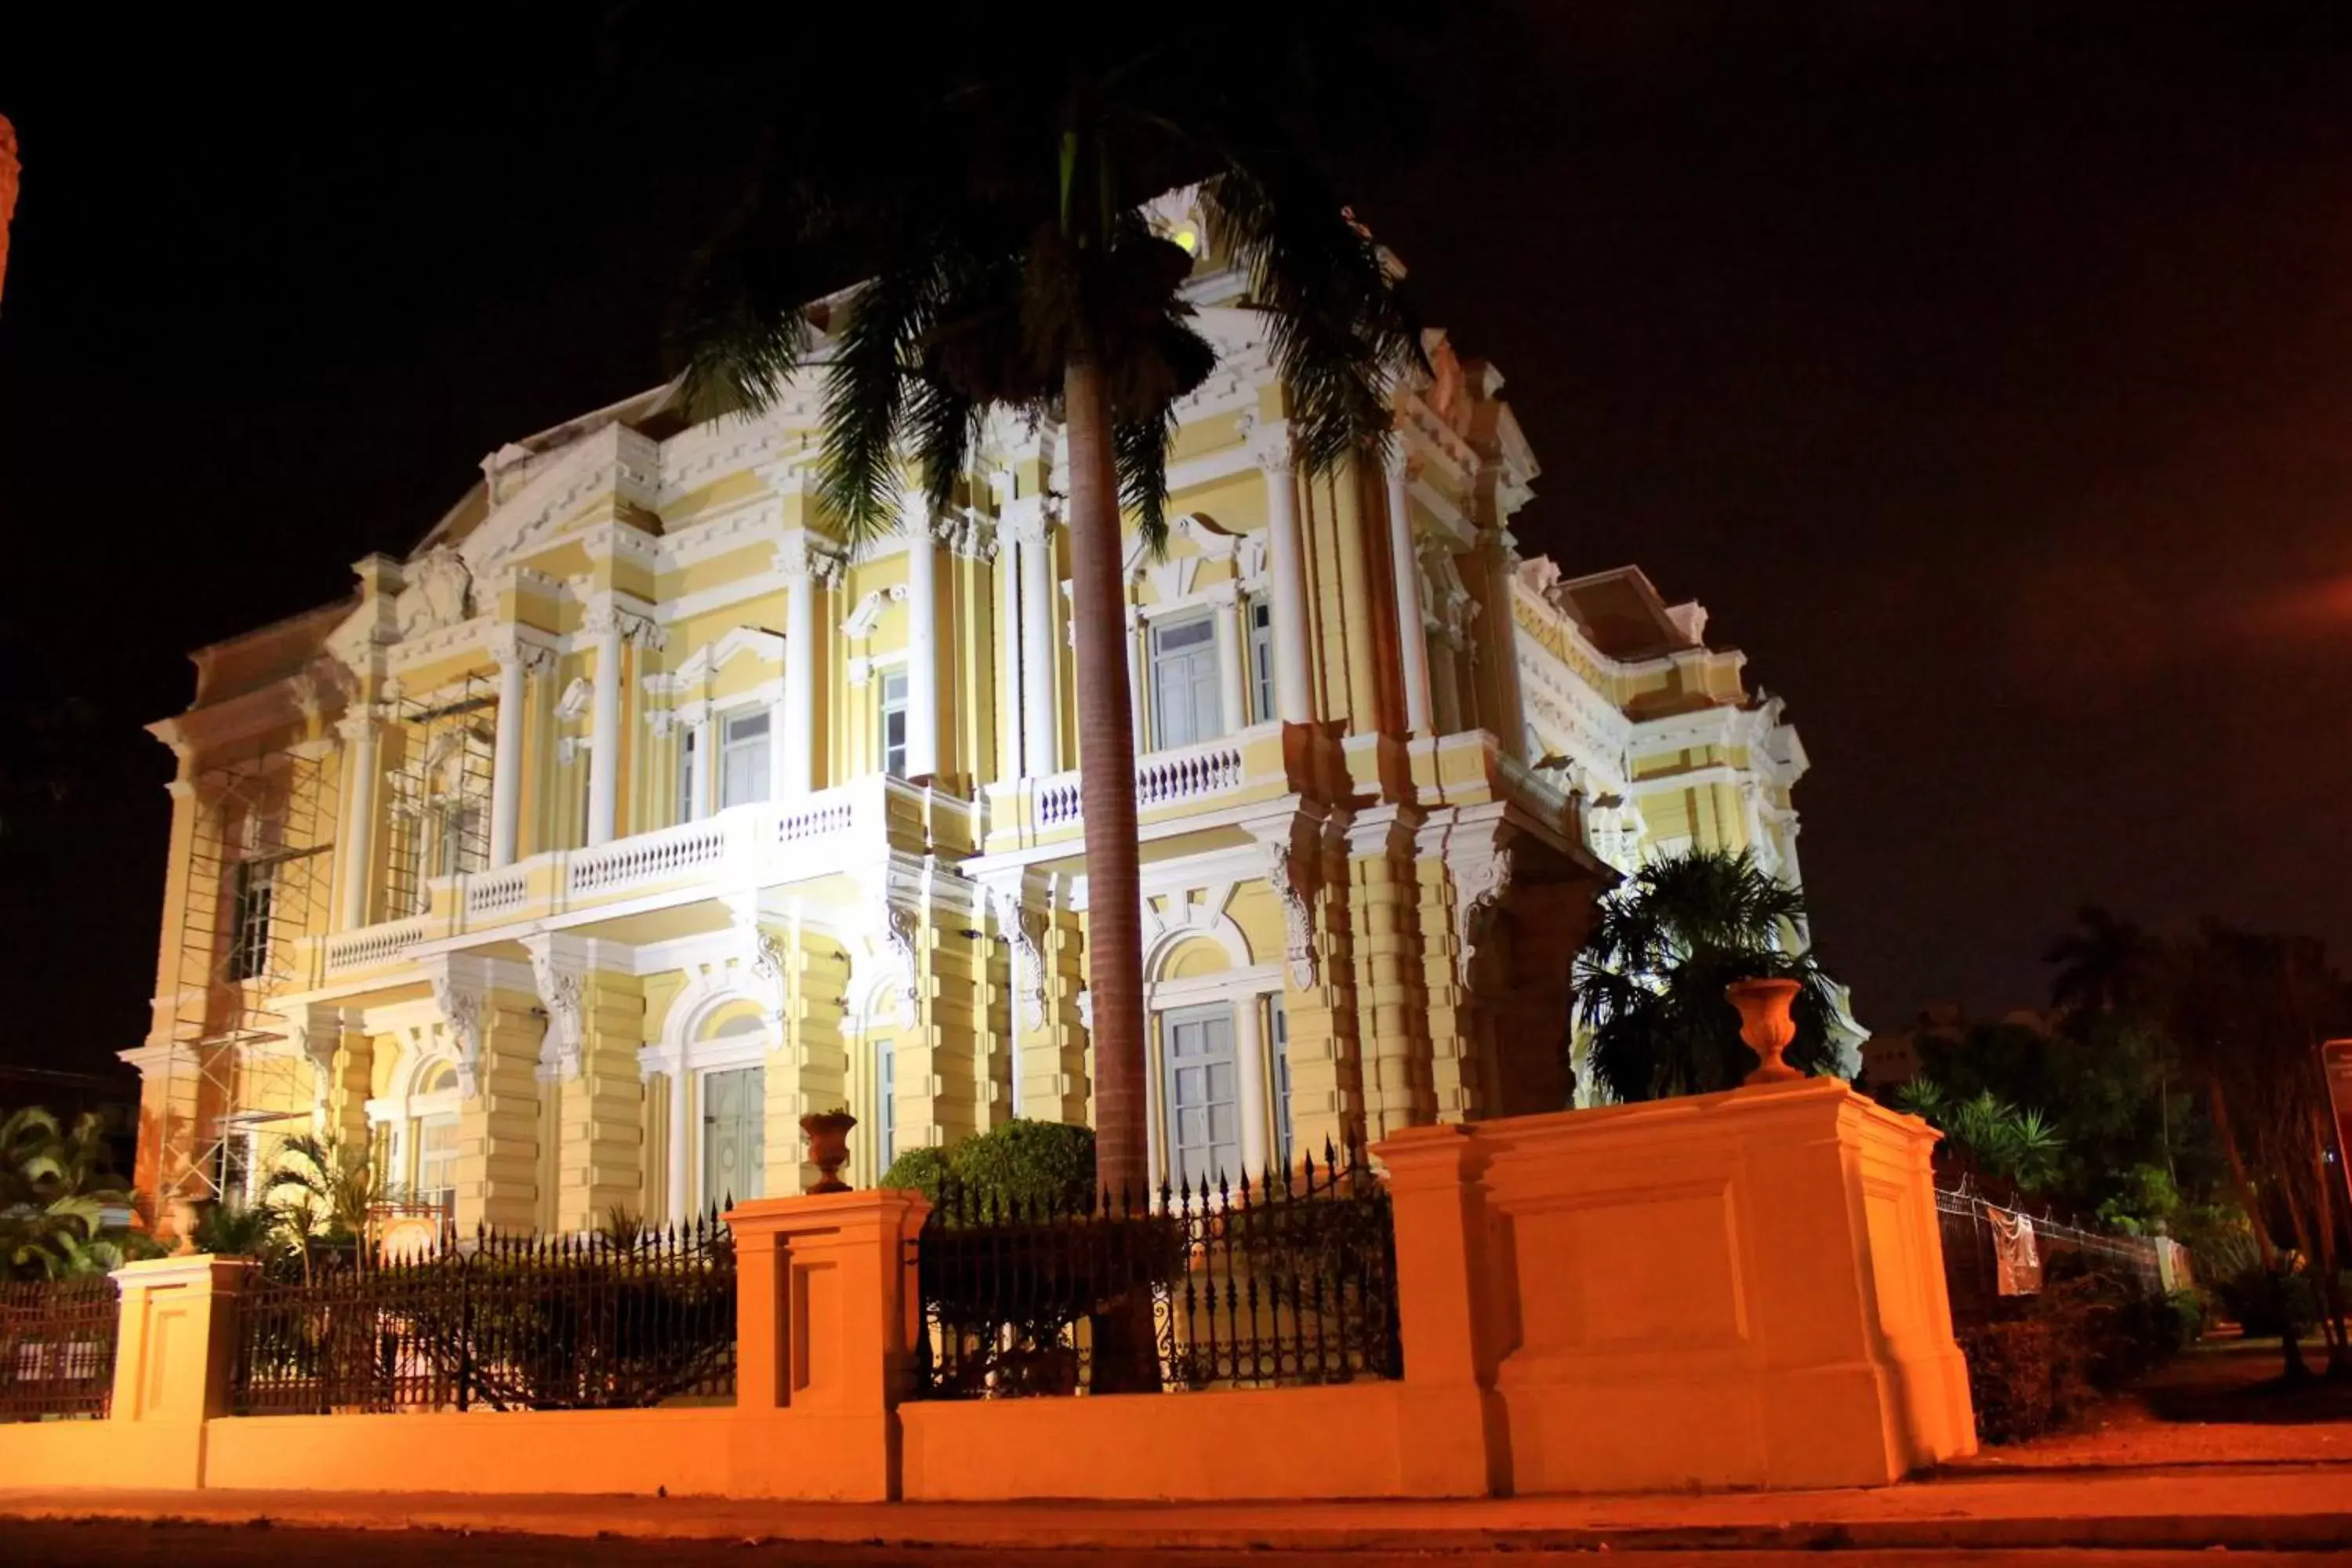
1170 786
760 845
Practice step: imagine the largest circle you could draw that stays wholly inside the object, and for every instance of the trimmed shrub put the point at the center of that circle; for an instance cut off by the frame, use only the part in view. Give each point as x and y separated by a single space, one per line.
1031 1164
2043 1359
924 1170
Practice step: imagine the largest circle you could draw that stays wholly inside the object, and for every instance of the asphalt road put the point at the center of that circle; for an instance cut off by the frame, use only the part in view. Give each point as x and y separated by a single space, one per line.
66 1545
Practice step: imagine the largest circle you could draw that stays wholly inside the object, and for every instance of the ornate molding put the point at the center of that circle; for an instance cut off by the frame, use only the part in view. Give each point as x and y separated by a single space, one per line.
559 983
861 620
510 647
768 968
812 557
606 619
1024 928
900 935
1480 883
1283 875
461 1006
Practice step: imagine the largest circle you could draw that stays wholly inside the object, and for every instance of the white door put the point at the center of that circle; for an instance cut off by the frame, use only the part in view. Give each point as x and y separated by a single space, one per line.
734 1135
1203 1095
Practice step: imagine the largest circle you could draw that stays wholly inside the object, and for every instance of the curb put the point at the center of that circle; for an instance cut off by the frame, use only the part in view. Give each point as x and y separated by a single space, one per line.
2301 1532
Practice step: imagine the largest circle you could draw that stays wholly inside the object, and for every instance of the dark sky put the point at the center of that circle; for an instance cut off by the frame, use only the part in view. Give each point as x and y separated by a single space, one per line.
1985 369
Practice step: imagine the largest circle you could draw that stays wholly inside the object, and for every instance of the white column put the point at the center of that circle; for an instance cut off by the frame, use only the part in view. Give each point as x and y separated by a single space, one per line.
1412 640
681 1097
1446 683
1255 1071
359 826
1232 662
1138 644
694 724
1008 649
792 749
1510 726
605 745
514 658
923 639
1293 696
1041 743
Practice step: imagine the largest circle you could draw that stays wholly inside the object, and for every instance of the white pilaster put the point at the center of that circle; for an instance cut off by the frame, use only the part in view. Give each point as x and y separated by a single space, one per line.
922 637
516 659
1008 626
1040 748
359 733
806 567
1255 1071
1139 645
1293 697
604 752
1412 639
1232 662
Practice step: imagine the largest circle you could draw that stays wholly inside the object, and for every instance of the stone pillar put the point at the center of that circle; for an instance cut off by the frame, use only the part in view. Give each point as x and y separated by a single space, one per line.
1350 644
1139 655
1739 1290
1318 986
807 566
923 639
1454 1067
496 1035
808 1070
1008 651
826 1315
1392 1004
1233 661
1413 641
359 733
1461 1445
516 659
604 624
1294 677
175 1346
1445 683
595 1024
1041 730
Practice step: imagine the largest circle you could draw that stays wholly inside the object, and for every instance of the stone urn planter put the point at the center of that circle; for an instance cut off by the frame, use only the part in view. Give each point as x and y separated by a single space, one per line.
827 1133
1765 1024
186 1214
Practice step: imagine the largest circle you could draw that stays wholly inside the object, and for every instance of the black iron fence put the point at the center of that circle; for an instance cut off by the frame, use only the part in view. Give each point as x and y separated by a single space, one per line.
504 1323
57 1347
1982 1240
1290 1280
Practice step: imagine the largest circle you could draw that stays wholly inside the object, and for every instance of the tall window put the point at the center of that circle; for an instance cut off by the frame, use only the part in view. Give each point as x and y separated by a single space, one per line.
690 773
231 1171
743 761
436 1160
1261 660
886 1105
893 724
456 840
1204 1139
255 893
734 1134
1185 708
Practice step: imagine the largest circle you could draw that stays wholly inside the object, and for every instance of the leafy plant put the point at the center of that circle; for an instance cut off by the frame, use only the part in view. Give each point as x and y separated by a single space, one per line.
2019 1148
1034 1166
1650 980
57 1194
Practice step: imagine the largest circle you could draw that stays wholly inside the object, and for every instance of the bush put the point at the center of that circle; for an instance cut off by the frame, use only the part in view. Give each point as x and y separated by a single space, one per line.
1028 1165
2265 1304
923 1171
1032 1164
2045 1358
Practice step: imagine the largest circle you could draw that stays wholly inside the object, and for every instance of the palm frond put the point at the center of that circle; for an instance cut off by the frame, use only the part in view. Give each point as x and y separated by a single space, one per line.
1140 447
866 398
1335 326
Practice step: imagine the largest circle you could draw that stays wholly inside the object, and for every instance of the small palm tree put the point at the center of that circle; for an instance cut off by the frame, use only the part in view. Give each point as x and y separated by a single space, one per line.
2106 966
979 244
1650 980
317 1188
2020 1147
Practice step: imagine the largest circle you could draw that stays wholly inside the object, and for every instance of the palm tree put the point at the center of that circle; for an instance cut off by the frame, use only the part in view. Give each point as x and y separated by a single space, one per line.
2108 965
978 245
1650 979
316 1186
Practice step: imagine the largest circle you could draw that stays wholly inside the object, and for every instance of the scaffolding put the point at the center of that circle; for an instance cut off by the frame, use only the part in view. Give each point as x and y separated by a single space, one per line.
258 879
439 791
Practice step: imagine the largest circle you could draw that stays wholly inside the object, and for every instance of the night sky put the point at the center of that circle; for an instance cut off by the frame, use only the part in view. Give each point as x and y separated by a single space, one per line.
1986 371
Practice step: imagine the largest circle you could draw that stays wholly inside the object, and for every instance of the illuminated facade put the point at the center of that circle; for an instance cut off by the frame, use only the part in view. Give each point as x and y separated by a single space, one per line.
576 856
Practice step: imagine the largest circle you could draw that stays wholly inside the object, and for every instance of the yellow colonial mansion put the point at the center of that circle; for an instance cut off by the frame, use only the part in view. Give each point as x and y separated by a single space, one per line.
569 860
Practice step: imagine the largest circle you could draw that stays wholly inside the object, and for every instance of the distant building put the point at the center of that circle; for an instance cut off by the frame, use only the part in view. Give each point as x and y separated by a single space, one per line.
569 861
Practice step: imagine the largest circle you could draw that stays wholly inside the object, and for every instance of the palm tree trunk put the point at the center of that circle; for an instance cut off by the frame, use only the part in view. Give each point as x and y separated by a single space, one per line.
1107 786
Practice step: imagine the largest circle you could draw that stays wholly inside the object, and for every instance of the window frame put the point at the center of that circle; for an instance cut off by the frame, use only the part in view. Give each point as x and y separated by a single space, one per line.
730 746
1204 701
